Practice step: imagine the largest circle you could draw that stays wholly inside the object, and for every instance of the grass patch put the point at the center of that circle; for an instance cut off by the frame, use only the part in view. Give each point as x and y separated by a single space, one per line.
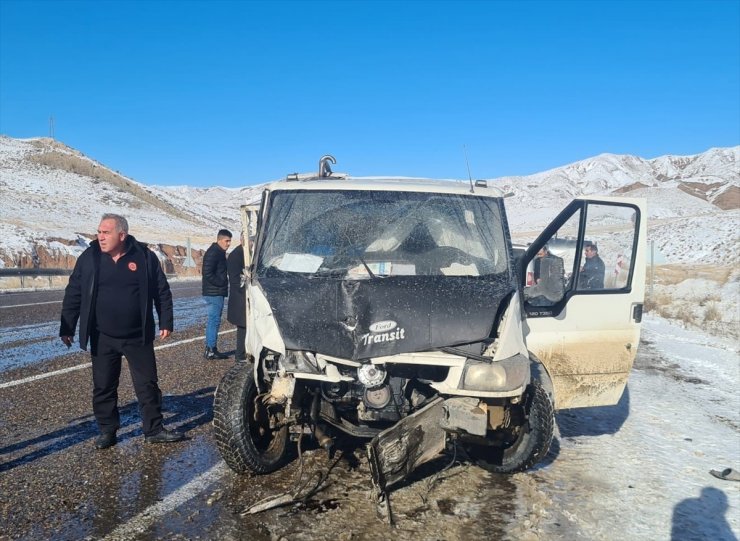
712 313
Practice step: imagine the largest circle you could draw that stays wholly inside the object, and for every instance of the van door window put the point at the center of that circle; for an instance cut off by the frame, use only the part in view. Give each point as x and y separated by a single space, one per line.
550 273
609 238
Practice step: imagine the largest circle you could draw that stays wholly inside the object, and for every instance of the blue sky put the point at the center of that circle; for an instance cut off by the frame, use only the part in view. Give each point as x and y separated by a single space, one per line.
238 93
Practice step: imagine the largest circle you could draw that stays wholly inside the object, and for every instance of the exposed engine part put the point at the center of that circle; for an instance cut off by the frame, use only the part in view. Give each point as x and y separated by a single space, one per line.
321 437
464 413
371 375
497 416
377 398
300 361
396 407
335 391
281 391
269 364
418 393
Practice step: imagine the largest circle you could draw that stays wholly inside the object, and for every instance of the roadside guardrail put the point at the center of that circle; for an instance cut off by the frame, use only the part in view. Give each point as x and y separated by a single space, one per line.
31 274
34 272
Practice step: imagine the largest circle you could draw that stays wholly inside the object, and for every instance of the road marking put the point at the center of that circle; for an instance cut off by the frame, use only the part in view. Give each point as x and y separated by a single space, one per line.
87 365
31 304
143 520
173 289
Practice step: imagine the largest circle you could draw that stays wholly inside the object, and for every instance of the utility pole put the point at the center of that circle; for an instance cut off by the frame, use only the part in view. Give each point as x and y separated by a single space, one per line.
189 257
51 126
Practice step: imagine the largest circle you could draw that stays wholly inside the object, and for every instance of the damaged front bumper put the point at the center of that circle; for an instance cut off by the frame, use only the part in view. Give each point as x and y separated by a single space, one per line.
465 376
420 437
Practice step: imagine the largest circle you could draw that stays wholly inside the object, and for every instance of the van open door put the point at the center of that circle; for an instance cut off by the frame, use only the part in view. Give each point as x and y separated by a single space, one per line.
583 285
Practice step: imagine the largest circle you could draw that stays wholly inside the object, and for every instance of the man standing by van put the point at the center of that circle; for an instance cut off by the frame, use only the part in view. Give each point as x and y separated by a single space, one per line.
215 289
113 289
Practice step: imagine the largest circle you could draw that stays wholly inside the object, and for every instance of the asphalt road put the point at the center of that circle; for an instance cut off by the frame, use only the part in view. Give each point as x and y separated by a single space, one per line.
55 485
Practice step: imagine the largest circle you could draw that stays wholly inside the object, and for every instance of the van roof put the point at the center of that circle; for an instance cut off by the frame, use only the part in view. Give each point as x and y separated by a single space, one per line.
395 184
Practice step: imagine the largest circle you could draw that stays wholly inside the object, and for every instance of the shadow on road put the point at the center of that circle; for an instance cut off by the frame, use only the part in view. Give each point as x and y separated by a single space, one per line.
185 412
702 517
595 421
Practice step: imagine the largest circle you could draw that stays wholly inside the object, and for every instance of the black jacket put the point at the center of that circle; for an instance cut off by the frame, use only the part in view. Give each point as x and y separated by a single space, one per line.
79 296
215 280
237 311
592 274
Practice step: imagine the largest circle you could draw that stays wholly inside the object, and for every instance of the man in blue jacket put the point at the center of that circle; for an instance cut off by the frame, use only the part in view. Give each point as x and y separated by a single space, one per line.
215 289
114 286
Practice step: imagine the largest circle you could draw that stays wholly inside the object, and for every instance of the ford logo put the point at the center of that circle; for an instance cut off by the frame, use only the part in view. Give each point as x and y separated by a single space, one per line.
382 326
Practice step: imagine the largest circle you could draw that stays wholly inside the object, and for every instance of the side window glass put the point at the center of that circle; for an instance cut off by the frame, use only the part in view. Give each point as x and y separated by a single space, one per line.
607 248
551 272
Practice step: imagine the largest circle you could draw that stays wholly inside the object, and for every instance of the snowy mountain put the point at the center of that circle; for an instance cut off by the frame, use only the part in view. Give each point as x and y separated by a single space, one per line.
693 201
52 197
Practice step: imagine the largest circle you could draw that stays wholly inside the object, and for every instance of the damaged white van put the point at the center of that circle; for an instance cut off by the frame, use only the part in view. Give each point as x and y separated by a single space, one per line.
394 310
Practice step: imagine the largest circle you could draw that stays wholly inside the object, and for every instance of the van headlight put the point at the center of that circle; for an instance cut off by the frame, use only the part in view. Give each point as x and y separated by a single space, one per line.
506 375
300 361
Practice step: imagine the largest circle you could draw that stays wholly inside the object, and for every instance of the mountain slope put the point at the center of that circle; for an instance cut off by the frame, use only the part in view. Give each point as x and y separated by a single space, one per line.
52 197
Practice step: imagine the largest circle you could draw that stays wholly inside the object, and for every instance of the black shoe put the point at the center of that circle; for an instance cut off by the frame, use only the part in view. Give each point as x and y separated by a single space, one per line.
213 353
165 436
240 358
105 440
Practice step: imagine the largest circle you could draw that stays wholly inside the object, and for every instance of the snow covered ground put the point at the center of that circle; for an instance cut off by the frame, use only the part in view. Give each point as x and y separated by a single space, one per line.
679 419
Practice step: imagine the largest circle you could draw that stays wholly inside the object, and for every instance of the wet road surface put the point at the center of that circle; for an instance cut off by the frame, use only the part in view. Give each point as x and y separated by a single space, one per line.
55 485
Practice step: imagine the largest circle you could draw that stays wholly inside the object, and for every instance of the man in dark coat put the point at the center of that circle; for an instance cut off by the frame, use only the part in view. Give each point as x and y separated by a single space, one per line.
237 310
549 286
114 286
215 289
592 271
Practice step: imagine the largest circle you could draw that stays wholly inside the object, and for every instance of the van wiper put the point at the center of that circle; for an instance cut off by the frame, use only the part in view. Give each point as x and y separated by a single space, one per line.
337 271
330 272
366 266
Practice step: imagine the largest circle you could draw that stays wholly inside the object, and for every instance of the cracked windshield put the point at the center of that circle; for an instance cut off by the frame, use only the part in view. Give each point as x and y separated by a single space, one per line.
373 234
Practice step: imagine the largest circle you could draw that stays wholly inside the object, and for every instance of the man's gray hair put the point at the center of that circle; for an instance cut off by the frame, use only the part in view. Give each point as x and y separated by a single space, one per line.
121 222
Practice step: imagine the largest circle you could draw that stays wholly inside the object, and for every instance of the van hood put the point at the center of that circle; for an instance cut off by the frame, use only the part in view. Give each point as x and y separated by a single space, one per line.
359 319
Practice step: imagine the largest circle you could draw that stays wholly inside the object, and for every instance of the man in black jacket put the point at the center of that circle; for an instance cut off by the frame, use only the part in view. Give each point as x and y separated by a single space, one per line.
237 311
114 286
549 276
215 289
592 271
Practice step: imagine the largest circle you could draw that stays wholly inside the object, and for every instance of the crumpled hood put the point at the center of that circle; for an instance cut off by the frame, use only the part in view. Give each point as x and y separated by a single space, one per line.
358 319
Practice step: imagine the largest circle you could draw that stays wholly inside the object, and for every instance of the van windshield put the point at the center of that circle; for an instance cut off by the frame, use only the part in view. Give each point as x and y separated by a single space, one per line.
357 234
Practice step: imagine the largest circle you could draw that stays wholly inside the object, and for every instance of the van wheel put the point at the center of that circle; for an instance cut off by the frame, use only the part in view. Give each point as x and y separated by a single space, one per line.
242 424
523 445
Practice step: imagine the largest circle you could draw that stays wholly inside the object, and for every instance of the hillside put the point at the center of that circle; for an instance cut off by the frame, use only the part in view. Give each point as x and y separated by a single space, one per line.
693 201
52 197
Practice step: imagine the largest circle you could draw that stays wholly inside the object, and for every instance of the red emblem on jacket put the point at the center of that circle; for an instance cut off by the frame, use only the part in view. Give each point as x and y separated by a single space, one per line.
132 266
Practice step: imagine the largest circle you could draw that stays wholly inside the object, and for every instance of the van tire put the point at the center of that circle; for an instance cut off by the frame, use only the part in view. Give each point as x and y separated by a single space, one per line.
532 442
246 443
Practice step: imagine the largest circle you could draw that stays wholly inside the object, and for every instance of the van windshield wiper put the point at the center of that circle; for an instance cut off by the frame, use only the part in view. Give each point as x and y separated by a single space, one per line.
337 271
330 272
367 268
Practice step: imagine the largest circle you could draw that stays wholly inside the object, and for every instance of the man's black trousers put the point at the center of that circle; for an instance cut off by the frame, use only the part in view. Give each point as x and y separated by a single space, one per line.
241 336
106 365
